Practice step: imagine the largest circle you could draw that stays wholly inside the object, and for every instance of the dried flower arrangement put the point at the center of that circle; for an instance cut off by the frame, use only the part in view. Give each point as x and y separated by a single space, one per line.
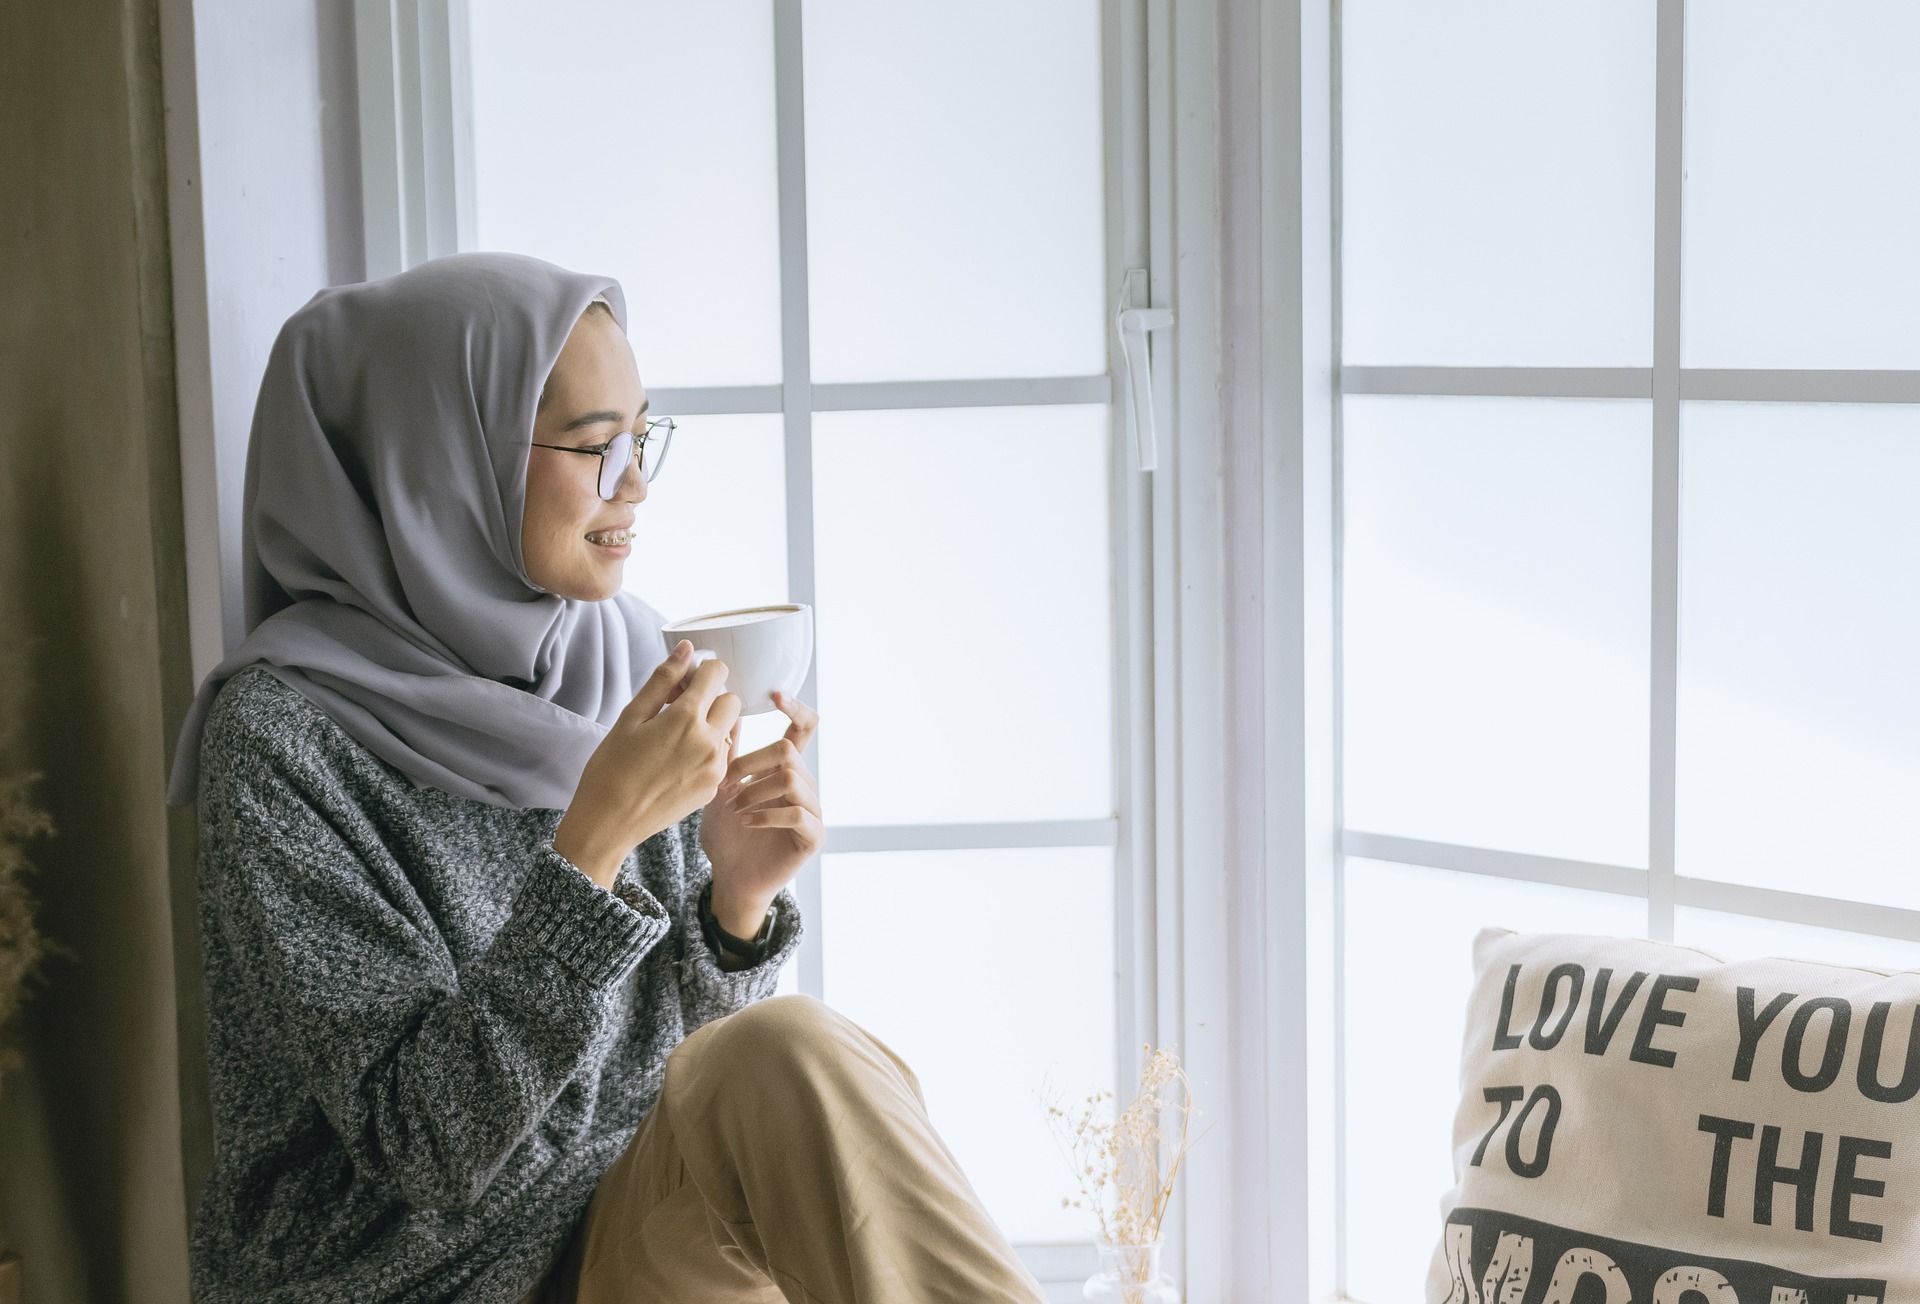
21 945
1126 1162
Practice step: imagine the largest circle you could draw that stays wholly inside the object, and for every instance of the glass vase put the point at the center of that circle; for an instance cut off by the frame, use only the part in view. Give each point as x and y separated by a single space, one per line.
1129 1274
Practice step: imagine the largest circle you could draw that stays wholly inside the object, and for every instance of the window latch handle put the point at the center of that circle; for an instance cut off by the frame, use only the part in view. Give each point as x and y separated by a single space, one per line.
1135 321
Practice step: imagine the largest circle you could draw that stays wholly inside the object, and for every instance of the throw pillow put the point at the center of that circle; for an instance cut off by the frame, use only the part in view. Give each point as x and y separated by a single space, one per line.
1644 1124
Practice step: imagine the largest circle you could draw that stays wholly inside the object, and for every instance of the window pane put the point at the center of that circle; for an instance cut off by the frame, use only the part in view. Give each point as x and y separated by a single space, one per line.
1803 185
1799 747
1498 171
1496 595
991 974
1409 972
712 533
954 203
595 151
1740 937
964 614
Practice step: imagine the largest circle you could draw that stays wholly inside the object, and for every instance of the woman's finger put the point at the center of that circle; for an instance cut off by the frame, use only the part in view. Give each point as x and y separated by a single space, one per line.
724 714
804 822
663 685
788 786
777 787
767 759
781 789
805 719
777 759
705 687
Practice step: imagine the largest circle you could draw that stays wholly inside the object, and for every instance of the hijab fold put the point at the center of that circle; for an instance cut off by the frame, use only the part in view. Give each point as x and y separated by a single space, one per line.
385 483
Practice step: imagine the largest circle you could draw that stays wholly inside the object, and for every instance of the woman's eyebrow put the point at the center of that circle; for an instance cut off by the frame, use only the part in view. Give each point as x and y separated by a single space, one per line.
591 419
595 418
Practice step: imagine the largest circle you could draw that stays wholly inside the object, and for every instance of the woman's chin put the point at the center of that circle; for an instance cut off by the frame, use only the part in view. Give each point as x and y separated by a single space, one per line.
594 583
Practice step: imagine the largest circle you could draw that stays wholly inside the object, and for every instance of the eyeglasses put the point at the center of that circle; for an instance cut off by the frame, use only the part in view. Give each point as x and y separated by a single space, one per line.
649 448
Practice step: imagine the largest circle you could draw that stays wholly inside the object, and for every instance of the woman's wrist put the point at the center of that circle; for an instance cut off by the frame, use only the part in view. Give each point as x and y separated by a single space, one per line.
597 858
739 914
735 951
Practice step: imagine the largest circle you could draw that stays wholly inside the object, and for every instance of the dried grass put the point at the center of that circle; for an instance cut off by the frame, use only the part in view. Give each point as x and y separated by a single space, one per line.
21 946
1126 1162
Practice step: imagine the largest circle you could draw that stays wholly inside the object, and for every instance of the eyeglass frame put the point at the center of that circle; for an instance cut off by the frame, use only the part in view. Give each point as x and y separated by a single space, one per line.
639 454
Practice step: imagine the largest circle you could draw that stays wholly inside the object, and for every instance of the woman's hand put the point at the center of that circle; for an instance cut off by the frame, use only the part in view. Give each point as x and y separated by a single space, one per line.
664 758
764 823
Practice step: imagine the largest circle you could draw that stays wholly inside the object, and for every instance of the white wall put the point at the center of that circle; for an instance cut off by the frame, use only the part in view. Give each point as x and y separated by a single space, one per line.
264 186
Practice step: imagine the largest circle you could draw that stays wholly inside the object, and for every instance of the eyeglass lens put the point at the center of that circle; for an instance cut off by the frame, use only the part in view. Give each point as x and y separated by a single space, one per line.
619 455
653 450
614 462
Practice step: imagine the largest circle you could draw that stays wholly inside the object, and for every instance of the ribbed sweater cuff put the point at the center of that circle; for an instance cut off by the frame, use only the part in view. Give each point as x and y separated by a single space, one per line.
734 989
596 935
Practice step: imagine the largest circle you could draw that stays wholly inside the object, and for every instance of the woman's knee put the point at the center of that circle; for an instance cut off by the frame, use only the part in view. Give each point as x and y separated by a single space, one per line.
788 1062
789 1043
774 1028
777 1030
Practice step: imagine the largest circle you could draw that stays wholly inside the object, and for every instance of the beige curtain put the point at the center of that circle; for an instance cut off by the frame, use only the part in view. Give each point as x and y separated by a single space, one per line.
93 649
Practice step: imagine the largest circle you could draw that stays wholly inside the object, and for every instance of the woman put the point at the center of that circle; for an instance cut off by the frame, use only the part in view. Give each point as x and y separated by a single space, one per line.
489 905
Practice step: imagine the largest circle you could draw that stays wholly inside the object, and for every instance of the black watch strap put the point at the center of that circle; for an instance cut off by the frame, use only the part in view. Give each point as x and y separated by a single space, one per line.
753 950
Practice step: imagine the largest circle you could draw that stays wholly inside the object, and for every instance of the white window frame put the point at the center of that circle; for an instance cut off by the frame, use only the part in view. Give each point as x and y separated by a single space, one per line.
1667 385
417 191
1217 114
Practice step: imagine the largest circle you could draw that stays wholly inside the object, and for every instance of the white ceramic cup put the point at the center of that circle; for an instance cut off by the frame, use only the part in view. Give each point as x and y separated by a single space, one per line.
767 649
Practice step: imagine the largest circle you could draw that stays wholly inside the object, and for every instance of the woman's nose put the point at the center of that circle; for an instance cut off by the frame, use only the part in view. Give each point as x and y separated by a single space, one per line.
633 485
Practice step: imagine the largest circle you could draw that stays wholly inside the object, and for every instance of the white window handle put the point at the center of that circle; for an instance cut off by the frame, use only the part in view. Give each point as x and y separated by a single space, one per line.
1134 323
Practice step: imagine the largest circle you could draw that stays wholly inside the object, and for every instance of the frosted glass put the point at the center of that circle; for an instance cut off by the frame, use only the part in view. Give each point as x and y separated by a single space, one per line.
965 626
1496 601
1803 185
991 1004
1498 171
635 138
712 532
1740 937
1799 711
1409 972
955 213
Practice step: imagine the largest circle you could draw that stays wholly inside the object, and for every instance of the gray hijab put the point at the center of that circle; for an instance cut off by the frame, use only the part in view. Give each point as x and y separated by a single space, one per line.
385 482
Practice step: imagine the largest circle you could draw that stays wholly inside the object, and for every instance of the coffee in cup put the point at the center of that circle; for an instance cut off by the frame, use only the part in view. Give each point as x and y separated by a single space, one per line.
767 649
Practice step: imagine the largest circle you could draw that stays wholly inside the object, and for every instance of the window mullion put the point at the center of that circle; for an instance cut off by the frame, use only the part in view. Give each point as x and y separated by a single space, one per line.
796 402
1665 625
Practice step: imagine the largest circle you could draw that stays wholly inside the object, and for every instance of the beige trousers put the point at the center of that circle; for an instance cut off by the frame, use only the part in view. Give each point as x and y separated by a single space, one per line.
788 1158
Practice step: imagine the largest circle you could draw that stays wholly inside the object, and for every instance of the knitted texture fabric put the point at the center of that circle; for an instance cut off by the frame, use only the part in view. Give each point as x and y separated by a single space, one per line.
428 1032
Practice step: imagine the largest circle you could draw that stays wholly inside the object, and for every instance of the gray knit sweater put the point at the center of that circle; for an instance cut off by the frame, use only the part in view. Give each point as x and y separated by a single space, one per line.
429 1033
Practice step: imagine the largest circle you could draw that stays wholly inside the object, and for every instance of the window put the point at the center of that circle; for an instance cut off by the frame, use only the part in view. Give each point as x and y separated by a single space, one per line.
866 251
1629 374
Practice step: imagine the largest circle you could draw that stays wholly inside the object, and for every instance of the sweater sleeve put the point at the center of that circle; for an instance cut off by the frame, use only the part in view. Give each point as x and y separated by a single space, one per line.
431 1076
708 992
